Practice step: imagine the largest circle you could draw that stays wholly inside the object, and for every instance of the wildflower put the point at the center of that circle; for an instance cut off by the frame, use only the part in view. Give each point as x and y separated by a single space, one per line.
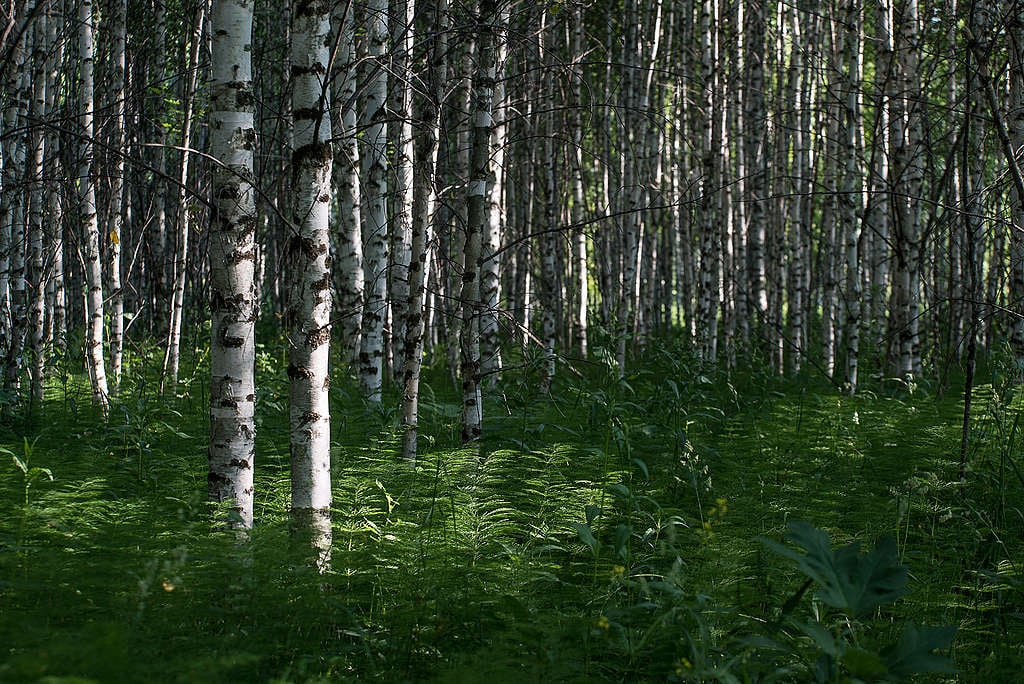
618 571
603 622
683 665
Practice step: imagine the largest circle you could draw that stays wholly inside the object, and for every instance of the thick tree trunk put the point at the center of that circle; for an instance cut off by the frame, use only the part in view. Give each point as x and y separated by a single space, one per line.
233 303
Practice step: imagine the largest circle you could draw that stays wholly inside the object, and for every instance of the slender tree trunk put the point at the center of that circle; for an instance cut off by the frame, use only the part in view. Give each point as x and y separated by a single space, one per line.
428 116
755 161
179 272
375 185
23 162
402 196
548 272
579 235
909 174
233 303
87 211
476 201
41 101
308 316
490 280
1016 132
851 198
349 271
118 19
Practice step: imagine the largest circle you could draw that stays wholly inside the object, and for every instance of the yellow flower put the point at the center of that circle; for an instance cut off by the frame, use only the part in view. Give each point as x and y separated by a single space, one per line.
683 666
722 507
618 571
603 622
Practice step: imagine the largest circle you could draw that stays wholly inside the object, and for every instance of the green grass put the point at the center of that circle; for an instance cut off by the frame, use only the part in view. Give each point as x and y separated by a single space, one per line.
609 531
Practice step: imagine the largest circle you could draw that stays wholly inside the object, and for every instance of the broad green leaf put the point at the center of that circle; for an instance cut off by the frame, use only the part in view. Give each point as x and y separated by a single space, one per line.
912 654
853 582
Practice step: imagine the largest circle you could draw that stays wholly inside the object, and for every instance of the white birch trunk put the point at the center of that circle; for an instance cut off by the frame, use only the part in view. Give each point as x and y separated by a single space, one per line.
37 275
851 198
375 185
16 233
579 235
87 211
490 280
308 316
233 303
179 265
115 294
476 200
428 115
349 242
402 31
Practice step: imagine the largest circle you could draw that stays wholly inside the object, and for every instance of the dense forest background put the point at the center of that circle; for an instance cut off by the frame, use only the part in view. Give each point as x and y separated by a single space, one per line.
464 306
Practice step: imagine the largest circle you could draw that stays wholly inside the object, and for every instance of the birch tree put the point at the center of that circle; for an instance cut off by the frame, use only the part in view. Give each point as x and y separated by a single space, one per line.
373 156
428 101
349 240
88 221
179 273
482 98
233 304
118 19
308 317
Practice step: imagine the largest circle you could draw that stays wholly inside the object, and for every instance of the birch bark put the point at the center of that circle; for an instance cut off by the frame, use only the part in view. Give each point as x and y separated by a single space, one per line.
233 303
349 249
476 201
428 105
373 156
308 316
87 210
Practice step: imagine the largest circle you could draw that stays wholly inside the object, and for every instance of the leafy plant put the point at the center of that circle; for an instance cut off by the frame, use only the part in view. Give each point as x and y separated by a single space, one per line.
29 474
855 585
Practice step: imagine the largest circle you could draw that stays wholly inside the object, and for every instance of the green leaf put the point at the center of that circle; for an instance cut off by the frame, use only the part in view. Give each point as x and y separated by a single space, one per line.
21 464
913 653
622 535
853 582
35 472
822 637
863 664
586 535
643 468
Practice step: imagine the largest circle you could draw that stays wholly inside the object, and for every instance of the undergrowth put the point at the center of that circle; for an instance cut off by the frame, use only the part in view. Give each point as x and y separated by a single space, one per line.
677 524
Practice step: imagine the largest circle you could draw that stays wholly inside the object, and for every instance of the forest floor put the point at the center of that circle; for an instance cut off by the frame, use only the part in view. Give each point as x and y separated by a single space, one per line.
638 529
